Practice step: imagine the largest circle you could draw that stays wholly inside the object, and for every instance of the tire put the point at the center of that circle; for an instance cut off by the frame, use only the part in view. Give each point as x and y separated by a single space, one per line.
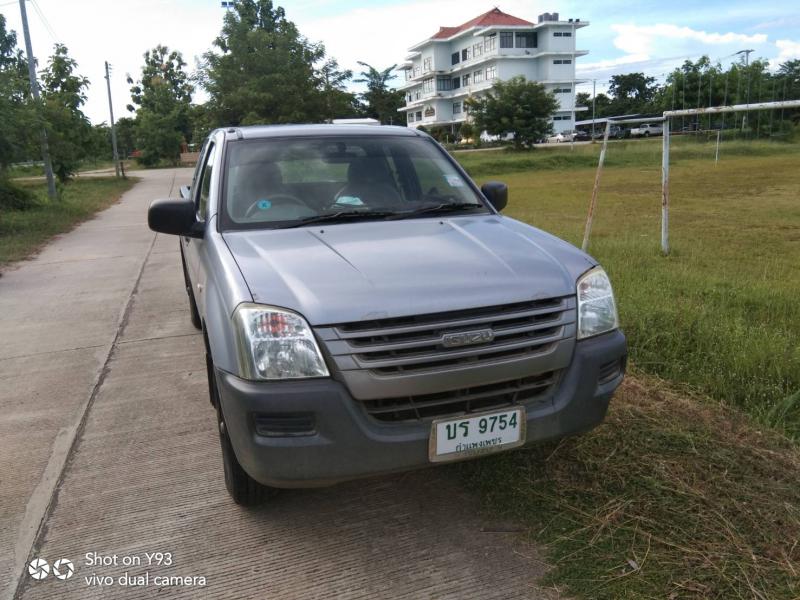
646 134
194 314
244 490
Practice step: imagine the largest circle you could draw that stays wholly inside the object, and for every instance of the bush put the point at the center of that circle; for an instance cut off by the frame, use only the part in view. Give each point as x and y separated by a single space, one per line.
13 197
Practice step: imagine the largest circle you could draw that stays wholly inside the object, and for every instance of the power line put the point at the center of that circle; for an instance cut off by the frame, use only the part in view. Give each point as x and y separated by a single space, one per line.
45 22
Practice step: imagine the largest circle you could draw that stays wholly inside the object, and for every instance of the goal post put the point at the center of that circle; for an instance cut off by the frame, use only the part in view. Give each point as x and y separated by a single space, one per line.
665 150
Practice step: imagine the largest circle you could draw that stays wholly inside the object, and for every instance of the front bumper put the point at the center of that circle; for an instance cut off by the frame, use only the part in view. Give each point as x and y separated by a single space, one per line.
347 443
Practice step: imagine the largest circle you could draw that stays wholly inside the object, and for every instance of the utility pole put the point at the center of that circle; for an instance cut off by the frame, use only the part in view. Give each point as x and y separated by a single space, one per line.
594 95
746 65
48 165
113 126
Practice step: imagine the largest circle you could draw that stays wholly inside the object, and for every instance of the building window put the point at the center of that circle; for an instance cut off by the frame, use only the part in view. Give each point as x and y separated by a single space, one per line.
561 118
427 64
456 108
527 39
416 71
419 115
417 95
562 91
454 60
506 39
408 74
456 83
443 84
491 72
562 34
477 77
562 61
477 50
427 85
408 97
410 117
466 80
490 44
466 54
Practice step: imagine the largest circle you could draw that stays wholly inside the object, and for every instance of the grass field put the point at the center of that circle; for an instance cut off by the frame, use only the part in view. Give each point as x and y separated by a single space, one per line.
721 313
22 232
682 493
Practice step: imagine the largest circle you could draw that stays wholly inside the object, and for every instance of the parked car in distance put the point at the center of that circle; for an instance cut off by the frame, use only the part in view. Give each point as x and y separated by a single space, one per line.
582 136
366 308
562 136
646 130
617 132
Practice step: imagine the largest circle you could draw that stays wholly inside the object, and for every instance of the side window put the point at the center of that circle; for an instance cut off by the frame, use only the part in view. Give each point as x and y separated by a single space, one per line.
205 185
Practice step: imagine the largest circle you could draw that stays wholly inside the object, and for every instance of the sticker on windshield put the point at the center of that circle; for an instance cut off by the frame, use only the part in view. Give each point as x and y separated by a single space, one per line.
349 200
264 204
454 181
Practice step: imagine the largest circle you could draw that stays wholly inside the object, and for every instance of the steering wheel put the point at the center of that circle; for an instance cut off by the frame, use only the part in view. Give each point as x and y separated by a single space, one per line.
275 198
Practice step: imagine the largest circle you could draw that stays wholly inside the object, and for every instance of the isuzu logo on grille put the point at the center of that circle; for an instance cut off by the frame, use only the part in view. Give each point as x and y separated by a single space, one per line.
467 338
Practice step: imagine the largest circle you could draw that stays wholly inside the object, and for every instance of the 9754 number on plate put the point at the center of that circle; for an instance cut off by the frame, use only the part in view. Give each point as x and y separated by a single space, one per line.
452 439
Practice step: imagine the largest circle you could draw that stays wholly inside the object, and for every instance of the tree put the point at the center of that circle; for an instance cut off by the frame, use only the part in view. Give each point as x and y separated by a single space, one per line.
17 118
17 115
263 70
583 99
68 130
632 93
518 107
126 136
381 101
337 101
162 100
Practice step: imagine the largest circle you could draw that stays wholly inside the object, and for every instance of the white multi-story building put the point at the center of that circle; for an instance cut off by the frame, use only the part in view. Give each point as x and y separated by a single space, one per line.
458 62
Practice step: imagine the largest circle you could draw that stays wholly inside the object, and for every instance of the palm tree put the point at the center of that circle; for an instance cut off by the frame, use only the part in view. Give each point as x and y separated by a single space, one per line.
381 100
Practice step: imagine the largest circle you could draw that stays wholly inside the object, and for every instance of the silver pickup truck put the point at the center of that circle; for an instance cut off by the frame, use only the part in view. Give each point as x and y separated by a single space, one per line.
367 309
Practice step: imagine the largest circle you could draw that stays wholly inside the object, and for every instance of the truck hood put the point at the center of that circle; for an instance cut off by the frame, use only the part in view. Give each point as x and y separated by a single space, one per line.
370 270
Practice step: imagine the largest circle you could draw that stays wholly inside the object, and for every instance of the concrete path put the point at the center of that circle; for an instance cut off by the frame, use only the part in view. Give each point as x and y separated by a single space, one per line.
110 450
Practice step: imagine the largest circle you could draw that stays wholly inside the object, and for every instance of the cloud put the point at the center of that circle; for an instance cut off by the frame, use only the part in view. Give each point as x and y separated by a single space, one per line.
640 39
789 50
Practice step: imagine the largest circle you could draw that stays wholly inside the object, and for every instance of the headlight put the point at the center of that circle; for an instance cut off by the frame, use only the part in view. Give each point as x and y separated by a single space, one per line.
597 311
275 344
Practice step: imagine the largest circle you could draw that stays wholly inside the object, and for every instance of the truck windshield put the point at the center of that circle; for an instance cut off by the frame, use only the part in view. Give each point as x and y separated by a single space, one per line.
285 182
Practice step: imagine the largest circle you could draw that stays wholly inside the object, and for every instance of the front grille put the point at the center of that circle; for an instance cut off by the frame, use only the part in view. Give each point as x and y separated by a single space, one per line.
529 391
416 344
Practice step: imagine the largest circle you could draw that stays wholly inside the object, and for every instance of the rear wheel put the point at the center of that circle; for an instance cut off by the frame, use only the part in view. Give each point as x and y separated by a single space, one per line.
194 314
244 490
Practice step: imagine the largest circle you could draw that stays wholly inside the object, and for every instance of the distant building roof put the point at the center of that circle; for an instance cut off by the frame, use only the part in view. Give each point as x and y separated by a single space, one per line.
490 18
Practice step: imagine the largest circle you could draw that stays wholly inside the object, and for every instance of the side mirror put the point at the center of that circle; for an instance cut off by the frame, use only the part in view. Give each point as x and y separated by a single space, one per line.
496 193
175 216
186 192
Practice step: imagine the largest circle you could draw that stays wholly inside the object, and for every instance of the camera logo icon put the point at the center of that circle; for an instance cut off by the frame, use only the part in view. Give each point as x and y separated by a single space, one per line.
38 568
63 568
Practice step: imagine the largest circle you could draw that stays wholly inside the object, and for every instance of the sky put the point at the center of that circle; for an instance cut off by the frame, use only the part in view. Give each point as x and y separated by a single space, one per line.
623 35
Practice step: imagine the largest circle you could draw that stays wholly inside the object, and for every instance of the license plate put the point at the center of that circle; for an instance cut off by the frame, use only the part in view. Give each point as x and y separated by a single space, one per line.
454 439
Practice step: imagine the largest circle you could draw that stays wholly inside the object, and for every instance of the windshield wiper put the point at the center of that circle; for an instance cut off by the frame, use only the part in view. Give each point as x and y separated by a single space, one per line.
345 215
444 207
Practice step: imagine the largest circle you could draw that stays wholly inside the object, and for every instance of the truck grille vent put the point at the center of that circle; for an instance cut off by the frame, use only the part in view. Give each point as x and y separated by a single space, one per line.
529 390
419 343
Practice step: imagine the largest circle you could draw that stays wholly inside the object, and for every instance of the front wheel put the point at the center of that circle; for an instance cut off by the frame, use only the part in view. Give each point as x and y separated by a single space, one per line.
646 134
244 490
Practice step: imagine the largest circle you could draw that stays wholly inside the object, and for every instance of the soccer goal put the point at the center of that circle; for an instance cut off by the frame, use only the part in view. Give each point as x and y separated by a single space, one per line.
665 120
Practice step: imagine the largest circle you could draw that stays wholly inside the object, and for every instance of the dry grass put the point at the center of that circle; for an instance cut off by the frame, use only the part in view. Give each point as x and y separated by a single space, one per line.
673 497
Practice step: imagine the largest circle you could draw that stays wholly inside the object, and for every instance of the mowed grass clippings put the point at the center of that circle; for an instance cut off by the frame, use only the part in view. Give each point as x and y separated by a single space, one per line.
721 314
22 232
670 498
